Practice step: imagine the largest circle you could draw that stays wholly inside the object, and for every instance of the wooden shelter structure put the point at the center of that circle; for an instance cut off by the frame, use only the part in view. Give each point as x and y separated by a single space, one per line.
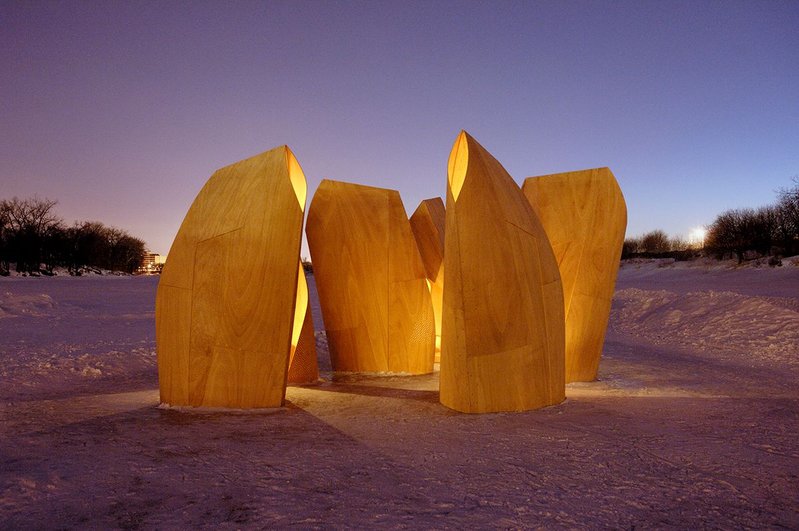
502 343
371 280
584 216
428 224
226 297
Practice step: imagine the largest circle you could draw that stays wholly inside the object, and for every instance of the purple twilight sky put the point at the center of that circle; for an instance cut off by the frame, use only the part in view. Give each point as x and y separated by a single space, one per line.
122 110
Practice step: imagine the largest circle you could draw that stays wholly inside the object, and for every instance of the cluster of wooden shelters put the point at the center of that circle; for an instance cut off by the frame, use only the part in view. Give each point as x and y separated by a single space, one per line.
509 287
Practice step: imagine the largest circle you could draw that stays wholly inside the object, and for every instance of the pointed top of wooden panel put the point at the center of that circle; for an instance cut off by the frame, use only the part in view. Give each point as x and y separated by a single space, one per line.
503 329
428 224
458 162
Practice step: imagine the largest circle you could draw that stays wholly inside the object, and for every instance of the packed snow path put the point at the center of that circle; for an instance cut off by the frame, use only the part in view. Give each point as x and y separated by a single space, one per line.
693 423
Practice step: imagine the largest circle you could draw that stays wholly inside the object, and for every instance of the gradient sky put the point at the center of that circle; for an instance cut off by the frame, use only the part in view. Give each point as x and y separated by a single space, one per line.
122 110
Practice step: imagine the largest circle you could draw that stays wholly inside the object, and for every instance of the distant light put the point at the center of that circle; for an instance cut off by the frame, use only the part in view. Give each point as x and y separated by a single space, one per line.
697 236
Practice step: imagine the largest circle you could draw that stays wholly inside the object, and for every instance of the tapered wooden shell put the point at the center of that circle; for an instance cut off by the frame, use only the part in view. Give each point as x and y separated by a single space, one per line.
502 344
428 224
584 216
371 281
226 297
303 365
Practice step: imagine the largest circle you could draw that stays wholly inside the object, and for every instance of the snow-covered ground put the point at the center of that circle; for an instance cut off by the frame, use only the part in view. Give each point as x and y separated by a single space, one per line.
693 423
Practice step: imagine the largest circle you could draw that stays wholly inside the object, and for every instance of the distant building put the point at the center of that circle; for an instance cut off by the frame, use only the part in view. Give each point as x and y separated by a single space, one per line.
152 264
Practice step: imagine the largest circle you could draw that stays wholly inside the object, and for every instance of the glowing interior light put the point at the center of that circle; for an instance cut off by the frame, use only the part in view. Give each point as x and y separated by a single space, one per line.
299 309
297 178
458 162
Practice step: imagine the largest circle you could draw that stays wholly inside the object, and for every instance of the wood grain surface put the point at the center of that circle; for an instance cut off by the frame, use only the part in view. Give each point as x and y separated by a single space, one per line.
584 216
502 344
371 280
225 301
428 223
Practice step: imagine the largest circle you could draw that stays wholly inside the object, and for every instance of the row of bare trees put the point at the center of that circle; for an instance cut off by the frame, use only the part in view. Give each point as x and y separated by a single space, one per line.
653 244
751 233
741 233
35 240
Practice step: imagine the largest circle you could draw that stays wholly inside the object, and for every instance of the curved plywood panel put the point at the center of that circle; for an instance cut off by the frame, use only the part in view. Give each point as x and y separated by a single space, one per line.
303 365
371 280
428 223
225 301
584 216
502 344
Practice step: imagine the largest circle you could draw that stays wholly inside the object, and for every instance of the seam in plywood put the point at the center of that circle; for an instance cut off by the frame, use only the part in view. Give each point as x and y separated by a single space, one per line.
216 236
168 285
521 229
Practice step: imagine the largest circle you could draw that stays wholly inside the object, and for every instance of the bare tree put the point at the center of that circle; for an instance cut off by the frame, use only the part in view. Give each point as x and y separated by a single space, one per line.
127 253
740 231
96 245
5 232
89 246
762 229
29 221
630 247
678 243
32 235
655 242
787 218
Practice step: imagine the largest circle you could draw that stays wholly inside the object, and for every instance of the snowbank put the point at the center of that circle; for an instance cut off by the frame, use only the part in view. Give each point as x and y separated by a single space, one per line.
14 305
715 321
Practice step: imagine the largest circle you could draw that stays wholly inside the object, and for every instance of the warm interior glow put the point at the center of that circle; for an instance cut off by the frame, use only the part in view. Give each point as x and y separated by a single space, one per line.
297 178
458 162
299 309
